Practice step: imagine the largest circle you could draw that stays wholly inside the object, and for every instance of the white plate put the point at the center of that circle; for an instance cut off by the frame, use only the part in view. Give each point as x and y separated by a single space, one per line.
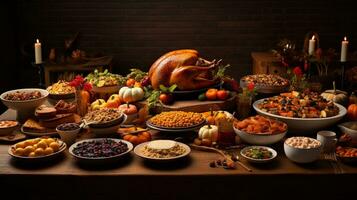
63 146
99 159
259 160
138 152
304 126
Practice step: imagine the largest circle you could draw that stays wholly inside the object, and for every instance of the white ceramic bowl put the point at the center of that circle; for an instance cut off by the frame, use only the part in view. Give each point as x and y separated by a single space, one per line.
259 139
24 105
24 108
254 160
345 128
304 126
69 137
105 131
299 155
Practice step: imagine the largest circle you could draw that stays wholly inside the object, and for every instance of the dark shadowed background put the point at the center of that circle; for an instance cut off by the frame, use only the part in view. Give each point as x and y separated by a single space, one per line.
136 32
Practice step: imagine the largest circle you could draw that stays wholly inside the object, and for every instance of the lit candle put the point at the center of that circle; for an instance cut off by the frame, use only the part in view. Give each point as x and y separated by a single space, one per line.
344 49
312 42
38 52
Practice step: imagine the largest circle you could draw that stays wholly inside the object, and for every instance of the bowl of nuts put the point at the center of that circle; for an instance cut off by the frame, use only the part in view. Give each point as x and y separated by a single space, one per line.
102 118
302 149
24 101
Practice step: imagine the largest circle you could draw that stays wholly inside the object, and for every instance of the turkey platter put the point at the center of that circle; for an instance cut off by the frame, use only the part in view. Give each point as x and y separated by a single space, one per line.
185 69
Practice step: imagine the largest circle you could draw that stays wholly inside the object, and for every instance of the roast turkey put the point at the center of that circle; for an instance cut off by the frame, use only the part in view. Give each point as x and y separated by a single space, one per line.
184 68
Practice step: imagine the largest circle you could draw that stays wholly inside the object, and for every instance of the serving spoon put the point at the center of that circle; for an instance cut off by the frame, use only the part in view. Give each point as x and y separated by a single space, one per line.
235 158
230 159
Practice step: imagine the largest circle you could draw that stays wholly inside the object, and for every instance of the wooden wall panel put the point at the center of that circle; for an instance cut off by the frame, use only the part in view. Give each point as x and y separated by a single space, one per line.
136 32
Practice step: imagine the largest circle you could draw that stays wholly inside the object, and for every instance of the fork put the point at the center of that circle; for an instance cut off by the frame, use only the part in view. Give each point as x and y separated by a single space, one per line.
333 160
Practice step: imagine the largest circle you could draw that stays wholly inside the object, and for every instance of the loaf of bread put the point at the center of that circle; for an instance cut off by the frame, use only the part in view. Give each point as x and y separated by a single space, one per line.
44 111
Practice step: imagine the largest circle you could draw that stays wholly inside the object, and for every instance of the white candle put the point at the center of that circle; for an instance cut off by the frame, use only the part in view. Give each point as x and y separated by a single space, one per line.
344 49
312 43
38 52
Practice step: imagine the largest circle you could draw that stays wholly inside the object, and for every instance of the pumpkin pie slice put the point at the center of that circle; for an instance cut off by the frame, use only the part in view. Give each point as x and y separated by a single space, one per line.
33 126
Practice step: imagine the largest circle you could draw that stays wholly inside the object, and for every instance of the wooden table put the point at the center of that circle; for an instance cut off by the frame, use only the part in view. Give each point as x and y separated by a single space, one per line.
192 177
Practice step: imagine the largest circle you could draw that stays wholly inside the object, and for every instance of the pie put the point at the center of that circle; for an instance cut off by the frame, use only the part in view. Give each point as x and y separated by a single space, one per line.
33 126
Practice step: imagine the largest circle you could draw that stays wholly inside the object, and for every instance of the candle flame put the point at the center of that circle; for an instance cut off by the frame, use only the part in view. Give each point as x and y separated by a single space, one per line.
37 41
313 37
345 38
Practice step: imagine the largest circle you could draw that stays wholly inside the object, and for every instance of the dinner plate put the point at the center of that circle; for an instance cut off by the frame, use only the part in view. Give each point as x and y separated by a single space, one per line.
39 134
174 129
63 146
139 148
254 160
99 160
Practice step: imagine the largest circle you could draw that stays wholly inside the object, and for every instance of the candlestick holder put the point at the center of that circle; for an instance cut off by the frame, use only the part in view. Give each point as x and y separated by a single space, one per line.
40 68
343 66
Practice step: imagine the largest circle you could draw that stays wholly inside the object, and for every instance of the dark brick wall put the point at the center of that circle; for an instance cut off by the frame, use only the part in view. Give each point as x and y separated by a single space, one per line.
136 32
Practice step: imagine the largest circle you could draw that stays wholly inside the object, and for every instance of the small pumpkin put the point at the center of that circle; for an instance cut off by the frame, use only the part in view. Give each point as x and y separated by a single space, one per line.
135 135
336 96
128 109
352 112
208 132
129 95
211 118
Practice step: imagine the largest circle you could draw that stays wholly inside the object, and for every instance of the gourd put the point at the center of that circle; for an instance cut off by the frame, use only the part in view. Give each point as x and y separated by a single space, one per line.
208 132
336 96
128 109
211 118
136 135
352 112
128 95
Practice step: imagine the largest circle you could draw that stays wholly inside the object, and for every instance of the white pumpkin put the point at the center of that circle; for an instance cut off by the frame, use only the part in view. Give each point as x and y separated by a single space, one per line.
128 95
208 132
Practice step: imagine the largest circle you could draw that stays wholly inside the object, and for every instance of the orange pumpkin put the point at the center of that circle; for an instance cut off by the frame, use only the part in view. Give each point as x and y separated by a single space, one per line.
130 82
210 119
211 94
352 112
128 109
135 138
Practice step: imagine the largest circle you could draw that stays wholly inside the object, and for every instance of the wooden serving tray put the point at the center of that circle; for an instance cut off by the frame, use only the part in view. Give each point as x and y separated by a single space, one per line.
196 105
